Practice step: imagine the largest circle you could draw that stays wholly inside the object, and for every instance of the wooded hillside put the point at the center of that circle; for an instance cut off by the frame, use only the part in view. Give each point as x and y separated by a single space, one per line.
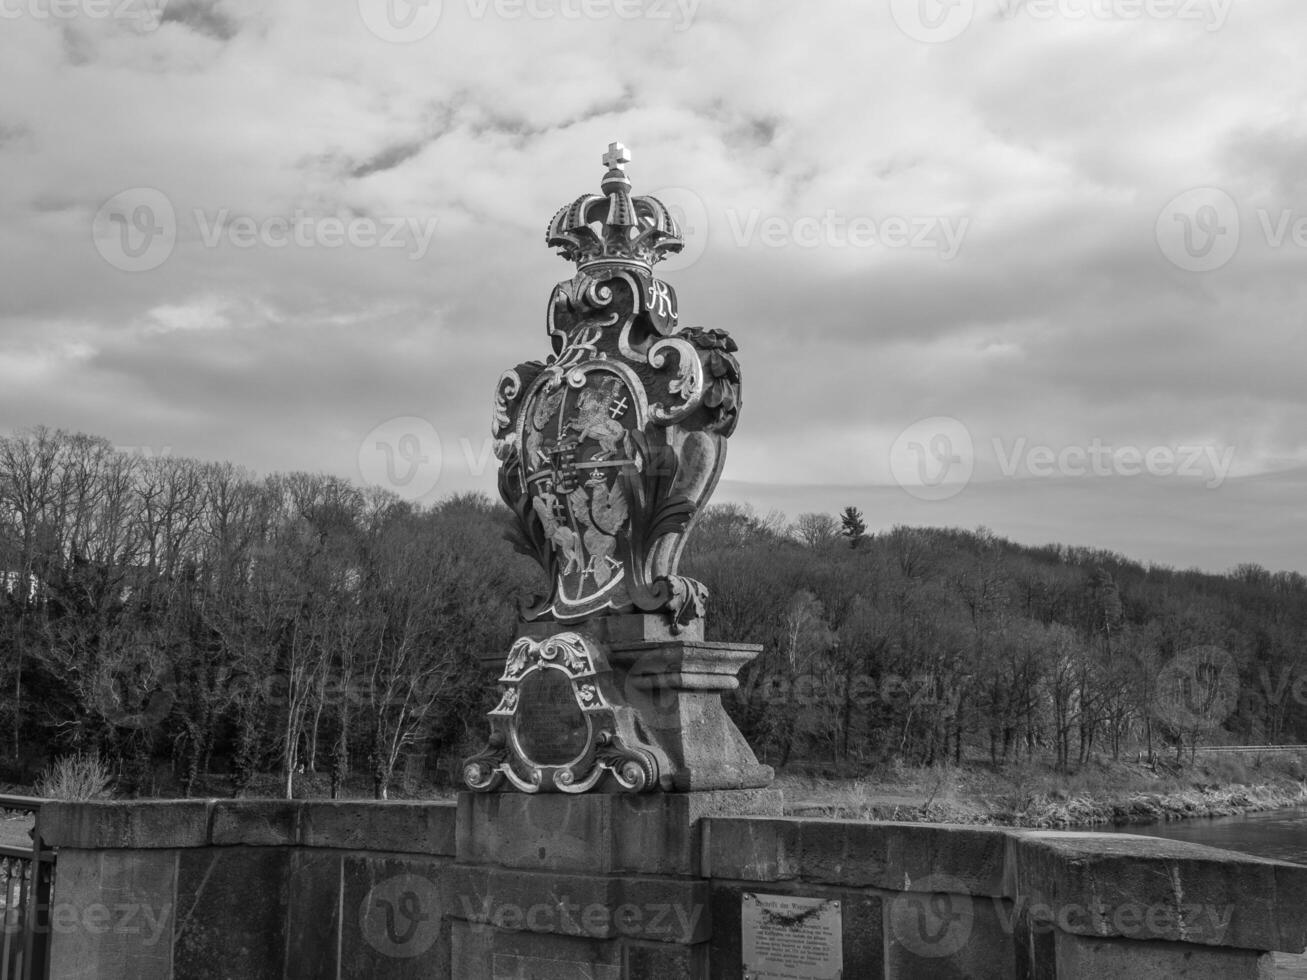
169 612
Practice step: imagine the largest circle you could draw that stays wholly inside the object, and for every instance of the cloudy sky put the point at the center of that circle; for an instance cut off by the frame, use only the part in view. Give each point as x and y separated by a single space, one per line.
1037 266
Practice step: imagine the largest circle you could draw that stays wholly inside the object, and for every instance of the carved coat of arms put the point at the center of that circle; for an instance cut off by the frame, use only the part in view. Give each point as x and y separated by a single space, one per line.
609 448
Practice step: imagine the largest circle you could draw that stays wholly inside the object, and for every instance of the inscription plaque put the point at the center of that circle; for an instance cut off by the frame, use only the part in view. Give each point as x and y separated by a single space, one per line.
789 937
551 727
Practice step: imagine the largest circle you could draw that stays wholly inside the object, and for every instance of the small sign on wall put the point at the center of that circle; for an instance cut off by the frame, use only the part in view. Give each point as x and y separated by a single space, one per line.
789 937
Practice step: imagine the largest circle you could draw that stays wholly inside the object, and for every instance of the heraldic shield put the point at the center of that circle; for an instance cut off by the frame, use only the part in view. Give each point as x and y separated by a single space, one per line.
609 449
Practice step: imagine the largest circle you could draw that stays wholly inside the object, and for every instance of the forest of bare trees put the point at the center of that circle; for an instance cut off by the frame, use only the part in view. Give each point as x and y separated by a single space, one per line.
166 609
934 644
190 621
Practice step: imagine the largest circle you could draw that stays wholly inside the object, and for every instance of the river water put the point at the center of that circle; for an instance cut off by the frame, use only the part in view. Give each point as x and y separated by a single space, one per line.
1280 834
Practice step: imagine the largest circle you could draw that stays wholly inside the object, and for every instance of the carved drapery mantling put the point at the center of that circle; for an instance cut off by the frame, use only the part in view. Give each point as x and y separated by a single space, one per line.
611 447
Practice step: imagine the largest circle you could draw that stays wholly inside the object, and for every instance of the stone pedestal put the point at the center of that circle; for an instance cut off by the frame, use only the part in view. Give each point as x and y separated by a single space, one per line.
674 683
604 886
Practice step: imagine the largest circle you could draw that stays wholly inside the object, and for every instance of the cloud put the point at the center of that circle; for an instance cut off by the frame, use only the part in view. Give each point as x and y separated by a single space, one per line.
203 16
1048 147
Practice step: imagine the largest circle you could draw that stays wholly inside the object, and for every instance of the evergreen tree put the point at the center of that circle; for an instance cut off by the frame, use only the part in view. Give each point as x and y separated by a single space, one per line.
855 528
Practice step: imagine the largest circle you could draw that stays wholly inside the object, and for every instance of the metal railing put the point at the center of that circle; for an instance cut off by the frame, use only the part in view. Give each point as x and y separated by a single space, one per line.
26 881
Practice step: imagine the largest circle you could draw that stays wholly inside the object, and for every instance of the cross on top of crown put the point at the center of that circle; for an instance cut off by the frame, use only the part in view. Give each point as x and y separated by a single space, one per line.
617 157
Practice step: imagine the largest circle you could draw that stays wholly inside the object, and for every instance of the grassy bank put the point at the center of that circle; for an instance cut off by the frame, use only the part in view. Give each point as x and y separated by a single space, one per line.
1034 795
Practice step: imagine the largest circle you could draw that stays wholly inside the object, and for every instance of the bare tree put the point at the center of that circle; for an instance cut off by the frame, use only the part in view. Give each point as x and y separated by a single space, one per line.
816 530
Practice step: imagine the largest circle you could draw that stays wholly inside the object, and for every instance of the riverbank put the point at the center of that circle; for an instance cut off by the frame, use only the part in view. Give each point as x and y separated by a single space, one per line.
1033 795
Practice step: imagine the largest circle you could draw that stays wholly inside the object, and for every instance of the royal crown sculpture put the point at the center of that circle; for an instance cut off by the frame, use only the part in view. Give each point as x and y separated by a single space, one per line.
608 451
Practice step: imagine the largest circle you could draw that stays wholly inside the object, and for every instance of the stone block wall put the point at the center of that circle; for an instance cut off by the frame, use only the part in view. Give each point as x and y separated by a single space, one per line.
649 887
208 890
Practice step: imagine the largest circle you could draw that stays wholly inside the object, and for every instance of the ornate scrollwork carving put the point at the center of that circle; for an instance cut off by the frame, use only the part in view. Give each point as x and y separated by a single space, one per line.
535 743
610 448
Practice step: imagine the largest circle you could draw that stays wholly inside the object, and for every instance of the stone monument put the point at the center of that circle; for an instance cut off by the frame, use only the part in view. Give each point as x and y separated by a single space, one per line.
609 450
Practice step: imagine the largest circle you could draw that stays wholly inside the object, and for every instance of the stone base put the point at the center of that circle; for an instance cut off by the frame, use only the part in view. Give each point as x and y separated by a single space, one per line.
676 687
674 683
645 833
605 887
